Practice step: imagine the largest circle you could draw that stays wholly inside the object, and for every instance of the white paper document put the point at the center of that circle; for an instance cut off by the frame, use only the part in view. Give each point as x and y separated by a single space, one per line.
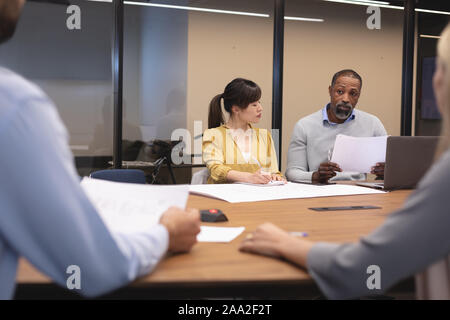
218 234
247 193
358 154
129 207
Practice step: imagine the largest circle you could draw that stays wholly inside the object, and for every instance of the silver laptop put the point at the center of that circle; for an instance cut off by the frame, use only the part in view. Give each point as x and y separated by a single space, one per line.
407 161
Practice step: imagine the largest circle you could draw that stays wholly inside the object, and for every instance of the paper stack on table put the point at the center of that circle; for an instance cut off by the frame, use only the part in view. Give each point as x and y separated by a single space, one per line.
247 193
129 207
358 154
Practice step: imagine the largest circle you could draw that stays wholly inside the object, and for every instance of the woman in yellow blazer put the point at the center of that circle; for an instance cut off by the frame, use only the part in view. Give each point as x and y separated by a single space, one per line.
235 151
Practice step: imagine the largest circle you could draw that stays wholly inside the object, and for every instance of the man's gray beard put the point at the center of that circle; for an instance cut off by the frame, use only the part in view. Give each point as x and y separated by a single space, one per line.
341 114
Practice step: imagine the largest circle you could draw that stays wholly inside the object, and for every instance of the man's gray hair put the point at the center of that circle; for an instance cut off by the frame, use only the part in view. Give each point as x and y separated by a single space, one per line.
346 73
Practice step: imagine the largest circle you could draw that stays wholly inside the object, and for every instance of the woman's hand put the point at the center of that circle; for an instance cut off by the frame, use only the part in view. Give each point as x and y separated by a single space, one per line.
272 241
267 239
247 177
277 177
259 177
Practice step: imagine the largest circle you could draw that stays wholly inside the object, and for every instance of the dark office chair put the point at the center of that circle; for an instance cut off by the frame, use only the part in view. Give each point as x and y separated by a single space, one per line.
120 175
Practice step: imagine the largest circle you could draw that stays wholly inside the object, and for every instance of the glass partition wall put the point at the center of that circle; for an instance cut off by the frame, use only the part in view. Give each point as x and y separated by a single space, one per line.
429 27
65 48
341 36
178 54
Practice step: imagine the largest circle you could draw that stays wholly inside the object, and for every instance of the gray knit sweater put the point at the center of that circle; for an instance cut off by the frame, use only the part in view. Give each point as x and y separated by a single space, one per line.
313 138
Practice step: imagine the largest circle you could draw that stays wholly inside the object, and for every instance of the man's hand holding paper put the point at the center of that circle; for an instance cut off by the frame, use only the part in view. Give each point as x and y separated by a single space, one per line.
326 171
360 154
378 170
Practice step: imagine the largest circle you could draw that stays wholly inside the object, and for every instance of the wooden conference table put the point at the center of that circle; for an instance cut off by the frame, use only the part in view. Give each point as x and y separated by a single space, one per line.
221 270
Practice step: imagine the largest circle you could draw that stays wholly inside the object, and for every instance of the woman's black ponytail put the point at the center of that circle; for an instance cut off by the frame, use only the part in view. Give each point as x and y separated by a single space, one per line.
239 92
215 116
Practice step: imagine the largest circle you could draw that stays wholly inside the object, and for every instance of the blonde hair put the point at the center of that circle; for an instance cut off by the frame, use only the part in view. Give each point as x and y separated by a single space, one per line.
443 51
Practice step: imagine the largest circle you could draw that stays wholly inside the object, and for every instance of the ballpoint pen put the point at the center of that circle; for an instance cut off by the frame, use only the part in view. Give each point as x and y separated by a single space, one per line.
263 171
298 234
259 164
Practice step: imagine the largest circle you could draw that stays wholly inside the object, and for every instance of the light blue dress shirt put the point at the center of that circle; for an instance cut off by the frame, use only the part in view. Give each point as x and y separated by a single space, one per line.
44 214
325 116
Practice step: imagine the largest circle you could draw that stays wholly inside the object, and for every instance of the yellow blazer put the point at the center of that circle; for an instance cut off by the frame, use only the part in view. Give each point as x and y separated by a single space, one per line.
221 153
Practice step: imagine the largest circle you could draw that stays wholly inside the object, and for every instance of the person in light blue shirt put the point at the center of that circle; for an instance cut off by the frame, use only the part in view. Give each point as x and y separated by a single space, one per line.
45 216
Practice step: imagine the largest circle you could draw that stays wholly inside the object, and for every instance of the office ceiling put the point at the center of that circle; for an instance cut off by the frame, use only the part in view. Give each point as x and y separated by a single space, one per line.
441 5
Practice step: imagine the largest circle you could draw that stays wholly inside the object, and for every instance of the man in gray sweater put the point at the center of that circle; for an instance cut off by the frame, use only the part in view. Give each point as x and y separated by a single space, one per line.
313 138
